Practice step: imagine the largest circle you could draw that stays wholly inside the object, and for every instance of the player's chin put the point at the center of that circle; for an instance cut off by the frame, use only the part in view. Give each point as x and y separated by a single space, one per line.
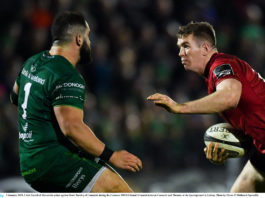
186 67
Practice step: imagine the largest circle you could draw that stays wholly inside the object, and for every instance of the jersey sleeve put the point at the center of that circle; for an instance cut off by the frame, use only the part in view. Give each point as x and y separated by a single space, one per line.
69 91
223 71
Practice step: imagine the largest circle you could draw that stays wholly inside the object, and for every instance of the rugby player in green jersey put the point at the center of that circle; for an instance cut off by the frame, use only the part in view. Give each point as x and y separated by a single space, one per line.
50 94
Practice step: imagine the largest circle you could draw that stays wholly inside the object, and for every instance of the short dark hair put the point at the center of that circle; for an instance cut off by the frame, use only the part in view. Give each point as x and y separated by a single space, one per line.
66 24
201 30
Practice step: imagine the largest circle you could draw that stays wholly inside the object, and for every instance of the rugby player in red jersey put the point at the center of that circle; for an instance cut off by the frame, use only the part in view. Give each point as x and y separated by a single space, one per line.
236 92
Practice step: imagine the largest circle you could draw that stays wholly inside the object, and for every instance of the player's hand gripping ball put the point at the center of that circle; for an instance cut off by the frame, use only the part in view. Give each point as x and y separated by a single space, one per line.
224 135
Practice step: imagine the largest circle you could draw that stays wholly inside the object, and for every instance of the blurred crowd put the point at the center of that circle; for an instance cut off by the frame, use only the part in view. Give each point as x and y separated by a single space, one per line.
134 55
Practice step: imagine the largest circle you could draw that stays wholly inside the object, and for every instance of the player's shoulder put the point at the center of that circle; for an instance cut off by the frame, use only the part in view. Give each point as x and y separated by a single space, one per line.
222 58
52 67
224 61
33 59
58 64
59 67
44 59
222 65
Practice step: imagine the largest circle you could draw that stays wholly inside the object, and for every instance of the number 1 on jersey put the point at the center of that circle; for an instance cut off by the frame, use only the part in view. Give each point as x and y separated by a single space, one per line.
25 103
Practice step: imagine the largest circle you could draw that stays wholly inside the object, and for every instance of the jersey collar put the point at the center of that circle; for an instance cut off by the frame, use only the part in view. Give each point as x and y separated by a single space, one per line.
46 55
208 65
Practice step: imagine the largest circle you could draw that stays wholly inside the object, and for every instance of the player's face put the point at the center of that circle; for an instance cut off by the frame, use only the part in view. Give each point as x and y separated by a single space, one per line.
85 50
191 53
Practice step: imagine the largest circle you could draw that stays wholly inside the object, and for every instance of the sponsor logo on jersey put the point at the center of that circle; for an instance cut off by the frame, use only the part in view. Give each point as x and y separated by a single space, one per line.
77 179
25 127
32 77
70 84
27 137
67 97
223 70
25 72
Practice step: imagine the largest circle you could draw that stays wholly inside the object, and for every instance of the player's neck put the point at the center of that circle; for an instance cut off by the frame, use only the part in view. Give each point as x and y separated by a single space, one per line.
208 58
65 51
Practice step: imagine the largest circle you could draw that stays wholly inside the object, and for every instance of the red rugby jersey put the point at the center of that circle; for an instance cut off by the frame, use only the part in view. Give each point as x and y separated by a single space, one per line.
249 115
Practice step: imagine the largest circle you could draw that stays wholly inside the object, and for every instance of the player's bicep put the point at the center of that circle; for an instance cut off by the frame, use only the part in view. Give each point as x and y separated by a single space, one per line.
230 84
68 118
233 89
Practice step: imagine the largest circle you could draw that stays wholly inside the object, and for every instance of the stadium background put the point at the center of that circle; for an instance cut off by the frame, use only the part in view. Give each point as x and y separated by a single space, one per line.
135 55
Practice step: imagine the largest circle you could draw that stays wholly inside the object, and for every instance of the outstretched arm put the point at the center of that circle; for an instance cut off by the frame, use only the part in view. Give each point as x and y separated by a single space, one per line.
226 96
70 120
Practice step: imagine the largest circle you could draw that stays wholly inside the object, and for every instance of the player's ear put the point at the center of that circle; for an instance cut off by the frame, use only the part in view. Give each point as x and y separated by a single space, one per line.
205 48
79 39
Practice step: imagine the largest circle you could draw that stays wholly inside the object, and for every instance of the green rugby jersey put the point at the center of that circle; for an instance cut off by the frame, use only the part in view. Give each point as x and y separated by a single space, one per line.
45 81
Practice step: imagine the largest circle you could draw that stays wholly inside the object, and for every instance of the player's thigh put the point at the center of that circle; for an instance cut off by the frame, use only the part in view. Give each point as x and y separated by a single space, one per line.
110 181
249 180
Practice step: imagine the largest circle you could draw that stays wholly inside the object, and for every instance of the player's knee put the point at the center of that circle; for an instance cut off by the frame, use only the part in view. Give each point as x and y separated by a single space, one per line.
119 185
110 181
259 184
243 183
235 189
249 183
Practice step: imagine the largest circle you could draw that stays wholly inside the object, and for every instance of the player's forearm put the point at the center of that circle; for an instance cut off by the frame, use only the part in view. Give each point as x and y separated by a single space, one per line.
216 102
83 136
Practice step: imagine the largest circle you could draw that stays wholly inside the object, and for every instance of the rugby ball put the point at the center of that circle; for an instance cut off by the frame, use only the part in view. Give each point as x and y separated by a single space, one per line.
224 134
